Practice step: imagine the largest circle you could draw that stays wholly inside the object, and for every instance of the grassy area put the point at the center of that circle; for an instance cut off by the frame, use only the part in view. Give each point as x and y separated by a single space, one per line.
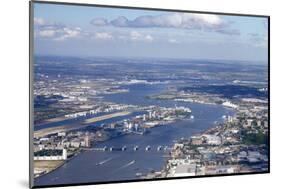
255 138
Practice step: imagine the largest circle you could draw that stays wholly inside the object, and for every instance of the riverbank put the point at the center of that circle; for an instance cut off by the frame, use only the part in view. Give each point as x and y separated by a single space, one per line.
231 147
51 165
42 167
145 161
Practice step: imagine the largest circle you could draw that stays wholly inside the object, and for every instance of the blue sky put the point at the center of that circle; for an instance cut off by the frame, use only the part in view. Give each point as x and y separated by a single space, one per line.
95 31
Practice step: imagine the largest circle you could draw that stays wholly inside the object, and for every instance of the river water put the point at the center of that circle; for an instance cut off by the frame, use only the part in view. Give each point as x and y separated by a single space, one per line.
123 165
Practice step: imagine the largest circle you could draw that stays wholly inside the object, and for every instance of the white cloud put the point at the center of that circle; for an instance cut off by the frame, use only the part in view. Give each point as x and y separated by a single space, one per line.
206 19
262 42
67 33
258 40
55 31
47 33
103 35
207 22
228 31
137 36
173 41
148 38
99 22
175 20
39 21
122 37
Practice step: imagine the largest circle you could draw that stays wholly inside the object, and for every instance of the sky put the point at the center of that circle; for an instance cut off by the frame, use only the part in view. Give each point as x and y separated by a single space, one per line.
69 30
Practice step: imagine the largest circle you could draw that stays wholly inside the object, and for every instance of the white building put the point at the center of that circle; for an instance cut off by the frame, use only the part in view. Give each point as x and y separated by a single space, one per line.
53 158
62 134
185 170
213 139
229 104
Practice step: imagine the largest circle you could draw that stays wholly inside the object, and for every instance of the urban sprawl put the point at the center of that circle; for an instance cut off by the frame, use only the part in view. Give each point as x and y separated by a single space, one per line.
239 144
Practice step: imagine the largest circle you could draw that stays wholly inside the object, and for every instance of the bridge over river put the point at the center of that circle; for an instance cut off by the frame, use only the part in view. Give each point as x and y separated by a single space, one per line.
131 148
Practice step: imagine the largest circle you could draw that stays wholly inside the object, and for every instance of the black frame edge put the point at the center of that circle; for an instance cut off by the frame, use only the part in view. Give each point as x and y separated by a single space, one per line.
31 51
148 8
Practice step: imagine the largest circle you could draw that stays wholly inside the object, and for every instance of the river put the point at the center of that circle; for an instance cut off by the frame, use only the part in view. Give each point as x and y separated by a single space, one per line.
123 165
